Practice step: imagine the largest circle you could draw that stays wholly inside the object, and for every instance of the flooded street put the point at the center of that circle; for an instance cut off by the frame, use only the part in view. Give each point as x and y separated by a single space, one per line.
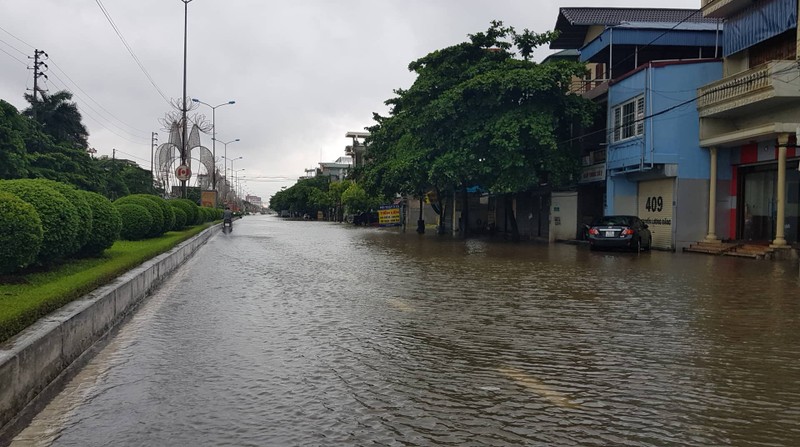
312 333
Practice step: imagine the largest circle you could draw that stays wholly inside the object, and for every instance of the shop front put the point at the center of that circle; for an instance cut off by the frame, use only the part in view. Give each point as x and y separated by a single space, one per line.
757 202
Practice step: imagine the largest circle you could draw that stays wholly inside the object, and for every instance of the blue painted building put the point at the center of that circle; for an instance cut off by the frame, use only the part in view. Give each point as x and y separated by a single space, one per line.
640 156
656 168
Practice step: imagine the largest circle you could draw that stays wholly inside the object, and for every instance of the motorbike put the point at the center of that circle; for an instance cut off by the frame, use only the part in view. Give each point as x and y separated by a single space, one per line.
227 226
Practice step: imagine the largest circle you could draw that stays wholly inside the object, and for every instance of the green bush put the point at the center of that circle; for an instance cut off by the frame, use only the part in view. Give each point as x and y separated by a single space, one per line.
20 233
188 207
59 217
81 206
180 218
156 215
166 210
137 222
106 224
207 213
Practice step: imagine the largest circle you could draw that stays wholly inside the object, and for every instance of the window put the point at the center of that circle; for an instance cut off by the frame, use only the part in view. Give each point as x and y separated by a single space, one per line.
628 119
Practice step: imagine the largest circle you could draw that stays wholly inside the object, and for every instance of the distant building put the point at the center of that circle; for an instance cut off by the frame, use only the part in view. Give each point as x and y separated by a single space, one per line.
358 148
336 170
253 200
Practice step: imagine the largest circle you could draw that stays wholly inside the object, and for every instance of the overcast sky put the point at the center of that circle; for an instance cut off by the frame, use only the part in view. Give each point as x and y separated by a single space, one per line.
302 73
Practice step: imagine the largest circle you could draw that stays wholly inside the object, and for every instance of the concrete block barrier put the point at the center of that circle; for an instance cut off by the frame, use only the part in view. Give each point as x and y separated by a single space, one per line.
33 359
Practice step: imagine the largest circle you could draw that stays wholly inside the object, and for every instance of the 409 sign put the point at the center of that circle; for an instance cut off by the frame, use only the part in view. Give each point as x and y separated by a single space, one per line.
654 204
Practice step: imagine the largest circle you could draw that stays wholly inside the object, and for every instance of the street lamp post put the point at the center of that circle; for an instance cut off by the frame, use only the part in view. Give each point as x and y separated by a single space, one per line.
214 136
184 109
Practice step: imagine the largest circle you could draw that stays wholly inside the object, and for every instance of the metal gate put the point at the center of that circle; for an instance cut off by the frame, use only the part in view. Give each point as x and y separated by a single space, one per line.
656 210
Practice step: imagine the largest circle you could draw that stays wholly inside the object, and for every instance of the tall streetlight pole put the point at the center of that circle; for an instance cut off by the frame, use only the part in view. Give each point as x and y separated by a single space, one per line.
226 154
184 109
214 137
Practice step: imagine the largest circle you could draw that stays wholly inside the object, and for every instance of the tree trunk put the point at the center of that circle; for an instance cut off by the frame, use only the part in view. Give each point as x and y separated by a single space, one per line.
420 221
511 218
464 212
443 215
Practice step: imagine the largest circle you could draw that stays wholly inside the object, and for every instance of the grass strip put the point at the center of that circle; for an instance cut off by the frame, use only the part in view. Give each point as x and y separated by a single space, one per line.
34 295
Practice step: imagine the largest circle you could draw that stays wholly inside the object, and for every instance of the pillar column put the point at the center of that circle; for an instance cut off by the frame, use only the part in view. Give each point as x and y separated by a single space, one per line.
780 221
712 198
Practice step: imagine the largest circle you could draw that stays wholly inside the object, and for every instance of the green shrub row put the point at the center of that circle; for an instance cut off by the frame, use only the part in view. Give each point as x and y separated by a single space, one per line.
43 221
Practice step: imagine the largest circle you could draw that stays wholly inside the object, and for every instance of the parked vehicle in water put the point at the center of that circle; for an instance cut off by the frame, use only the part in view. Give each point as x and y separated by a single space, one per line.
628 232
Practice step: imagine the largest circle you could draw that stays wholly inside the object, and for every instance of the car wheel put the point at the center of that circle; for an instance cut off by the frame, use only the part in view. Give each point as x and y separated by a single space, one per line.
639 245
649 243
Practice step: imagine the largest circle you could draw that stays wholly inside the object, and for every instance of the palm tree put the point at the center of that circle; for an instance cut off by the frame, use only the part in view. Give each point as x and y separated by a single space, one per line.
59 118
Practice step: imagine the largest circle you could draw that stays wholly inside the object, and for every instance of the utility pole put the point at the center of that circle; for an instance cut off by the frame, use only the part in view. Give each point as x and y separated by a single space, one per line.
153 144
37 73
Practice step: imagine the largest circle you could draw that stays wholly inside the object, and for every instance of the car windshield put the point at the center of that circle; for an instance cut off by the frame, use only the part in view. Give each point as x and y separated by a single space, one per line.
613 220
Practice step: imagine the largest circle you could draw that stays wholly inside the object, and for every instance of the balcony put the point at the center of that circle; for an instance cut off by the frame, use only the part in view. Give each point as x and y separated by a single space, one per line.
723 8
756 90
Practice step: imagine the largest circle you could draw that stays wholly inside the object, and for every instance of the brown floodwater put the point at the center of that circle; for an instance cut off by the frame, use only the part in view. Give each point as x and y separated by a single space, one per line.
312 333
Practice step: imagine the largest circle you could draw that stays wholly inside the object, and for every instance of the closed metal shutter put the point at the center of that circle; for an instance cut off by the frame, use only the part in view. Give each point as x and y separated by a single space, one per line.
655 209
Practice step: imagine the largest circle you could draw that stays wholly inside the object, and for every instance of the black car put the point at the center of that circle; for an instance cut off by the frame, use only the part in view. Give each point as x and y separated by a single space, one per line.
627 232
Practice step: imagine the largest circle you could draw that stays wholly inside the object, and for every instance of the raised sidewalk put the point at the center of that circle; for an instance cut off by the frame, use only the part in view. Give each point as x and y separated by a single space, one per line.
33 359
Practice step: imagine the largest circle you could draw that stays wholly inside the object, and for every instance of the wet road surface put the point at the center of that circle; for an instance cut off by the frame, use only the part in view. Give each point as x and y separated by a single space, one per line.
312 333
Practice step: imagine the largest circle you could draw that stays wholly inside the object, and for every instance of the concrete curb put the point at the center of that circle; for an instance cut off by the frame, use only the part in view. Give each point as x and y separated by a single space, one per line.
34 358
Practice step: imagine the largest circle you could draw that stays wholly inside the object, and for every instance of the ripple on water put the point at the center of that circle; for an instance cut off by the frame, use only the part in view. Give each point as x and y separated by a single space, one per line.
310 333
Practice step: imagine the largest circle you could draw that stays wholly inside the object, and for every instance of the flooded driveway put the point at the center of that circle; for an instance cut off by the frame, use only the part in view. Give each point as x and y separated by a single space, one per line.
311 333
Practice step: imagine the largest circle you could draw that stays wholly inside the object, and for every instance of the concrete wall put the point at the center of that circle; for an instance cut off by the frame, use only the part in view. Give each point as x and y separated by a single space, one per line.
31 360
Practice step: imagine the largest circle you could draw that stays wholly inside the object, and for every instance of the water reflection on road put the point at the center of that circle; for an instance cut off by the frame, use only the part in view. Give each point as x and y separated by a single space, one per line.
312 333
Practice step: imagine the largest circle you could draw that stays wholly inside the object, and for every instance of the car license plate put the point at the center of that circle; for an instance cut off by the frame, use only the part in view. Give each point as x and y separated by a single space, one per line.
608 233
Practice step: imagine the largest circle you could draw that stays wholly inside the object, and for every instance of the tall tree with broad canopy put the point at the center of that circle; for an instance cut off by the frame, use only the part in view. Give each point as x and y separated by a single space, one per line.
480 113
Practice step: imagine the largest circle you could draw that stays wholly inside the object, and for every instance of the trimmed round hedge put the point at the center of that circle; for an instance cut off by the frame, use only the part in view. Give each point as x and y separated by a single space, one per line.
20 233
106 224
180 218
188 207
81 206
59 217
156 215
166 210
137 222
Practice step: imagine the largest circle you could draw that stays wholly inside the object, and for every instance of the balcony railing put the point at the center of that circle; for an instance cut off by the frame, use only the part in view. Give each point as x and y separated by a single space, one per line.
759 86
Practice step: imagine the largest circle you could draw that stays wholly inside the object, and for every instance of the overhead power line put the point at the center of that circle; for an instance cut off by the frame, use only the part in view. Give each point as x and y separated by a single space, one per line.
681 104
130 50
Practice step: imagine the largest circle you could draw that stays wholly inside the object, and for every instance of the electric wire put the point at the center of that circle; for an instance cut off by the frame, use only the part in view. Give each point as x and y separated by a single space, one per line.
85 111
130 50
13 57
675 106
75 84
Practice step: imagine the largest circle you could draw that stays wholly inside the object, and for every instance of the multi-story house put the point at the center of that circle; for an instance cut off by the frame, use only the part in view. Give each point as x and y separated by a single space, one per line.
749 120
642 157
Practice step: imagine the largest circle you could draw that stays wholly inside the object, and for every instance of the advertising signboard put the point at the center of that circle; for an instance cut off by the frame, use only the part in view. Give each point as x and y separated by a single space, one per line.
389 215
208 199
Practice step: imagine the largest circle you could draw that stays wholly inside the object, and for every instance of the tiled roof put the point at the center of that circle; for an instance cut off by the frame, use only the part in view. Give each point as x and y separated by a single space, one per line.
615 16
573 23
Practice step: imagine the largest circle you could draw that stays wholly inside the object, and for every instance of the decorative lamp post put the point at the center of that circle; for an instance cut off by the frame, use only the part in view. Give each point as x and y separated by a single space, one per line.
214 136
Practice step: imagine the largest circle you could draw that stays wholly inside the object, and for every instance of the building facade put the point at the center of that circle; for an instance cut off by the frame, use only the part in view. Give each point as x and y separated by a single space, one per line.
749 120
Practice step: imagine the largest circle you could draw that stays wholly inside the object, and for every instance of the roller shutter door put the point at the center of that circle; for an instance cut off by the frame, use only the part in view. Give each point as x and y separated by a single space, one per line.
655 209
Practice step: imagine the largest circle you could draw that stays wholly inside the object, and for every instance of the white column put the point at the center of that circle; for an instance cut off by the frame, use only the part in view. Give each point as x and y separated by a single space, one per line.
712 198
780 221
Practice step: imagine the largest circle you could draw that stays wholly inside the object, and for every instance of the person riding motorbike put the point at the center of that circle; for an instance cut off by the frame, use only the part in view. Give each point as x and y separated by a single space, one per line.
227 217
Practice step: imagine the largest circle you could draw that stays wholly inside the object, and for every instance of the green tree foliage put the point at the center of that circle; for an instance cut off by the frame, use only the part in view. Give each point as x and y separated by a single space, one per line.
59 217
20 233
479 113
106 224
356 200
137 222
59 118
14 161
